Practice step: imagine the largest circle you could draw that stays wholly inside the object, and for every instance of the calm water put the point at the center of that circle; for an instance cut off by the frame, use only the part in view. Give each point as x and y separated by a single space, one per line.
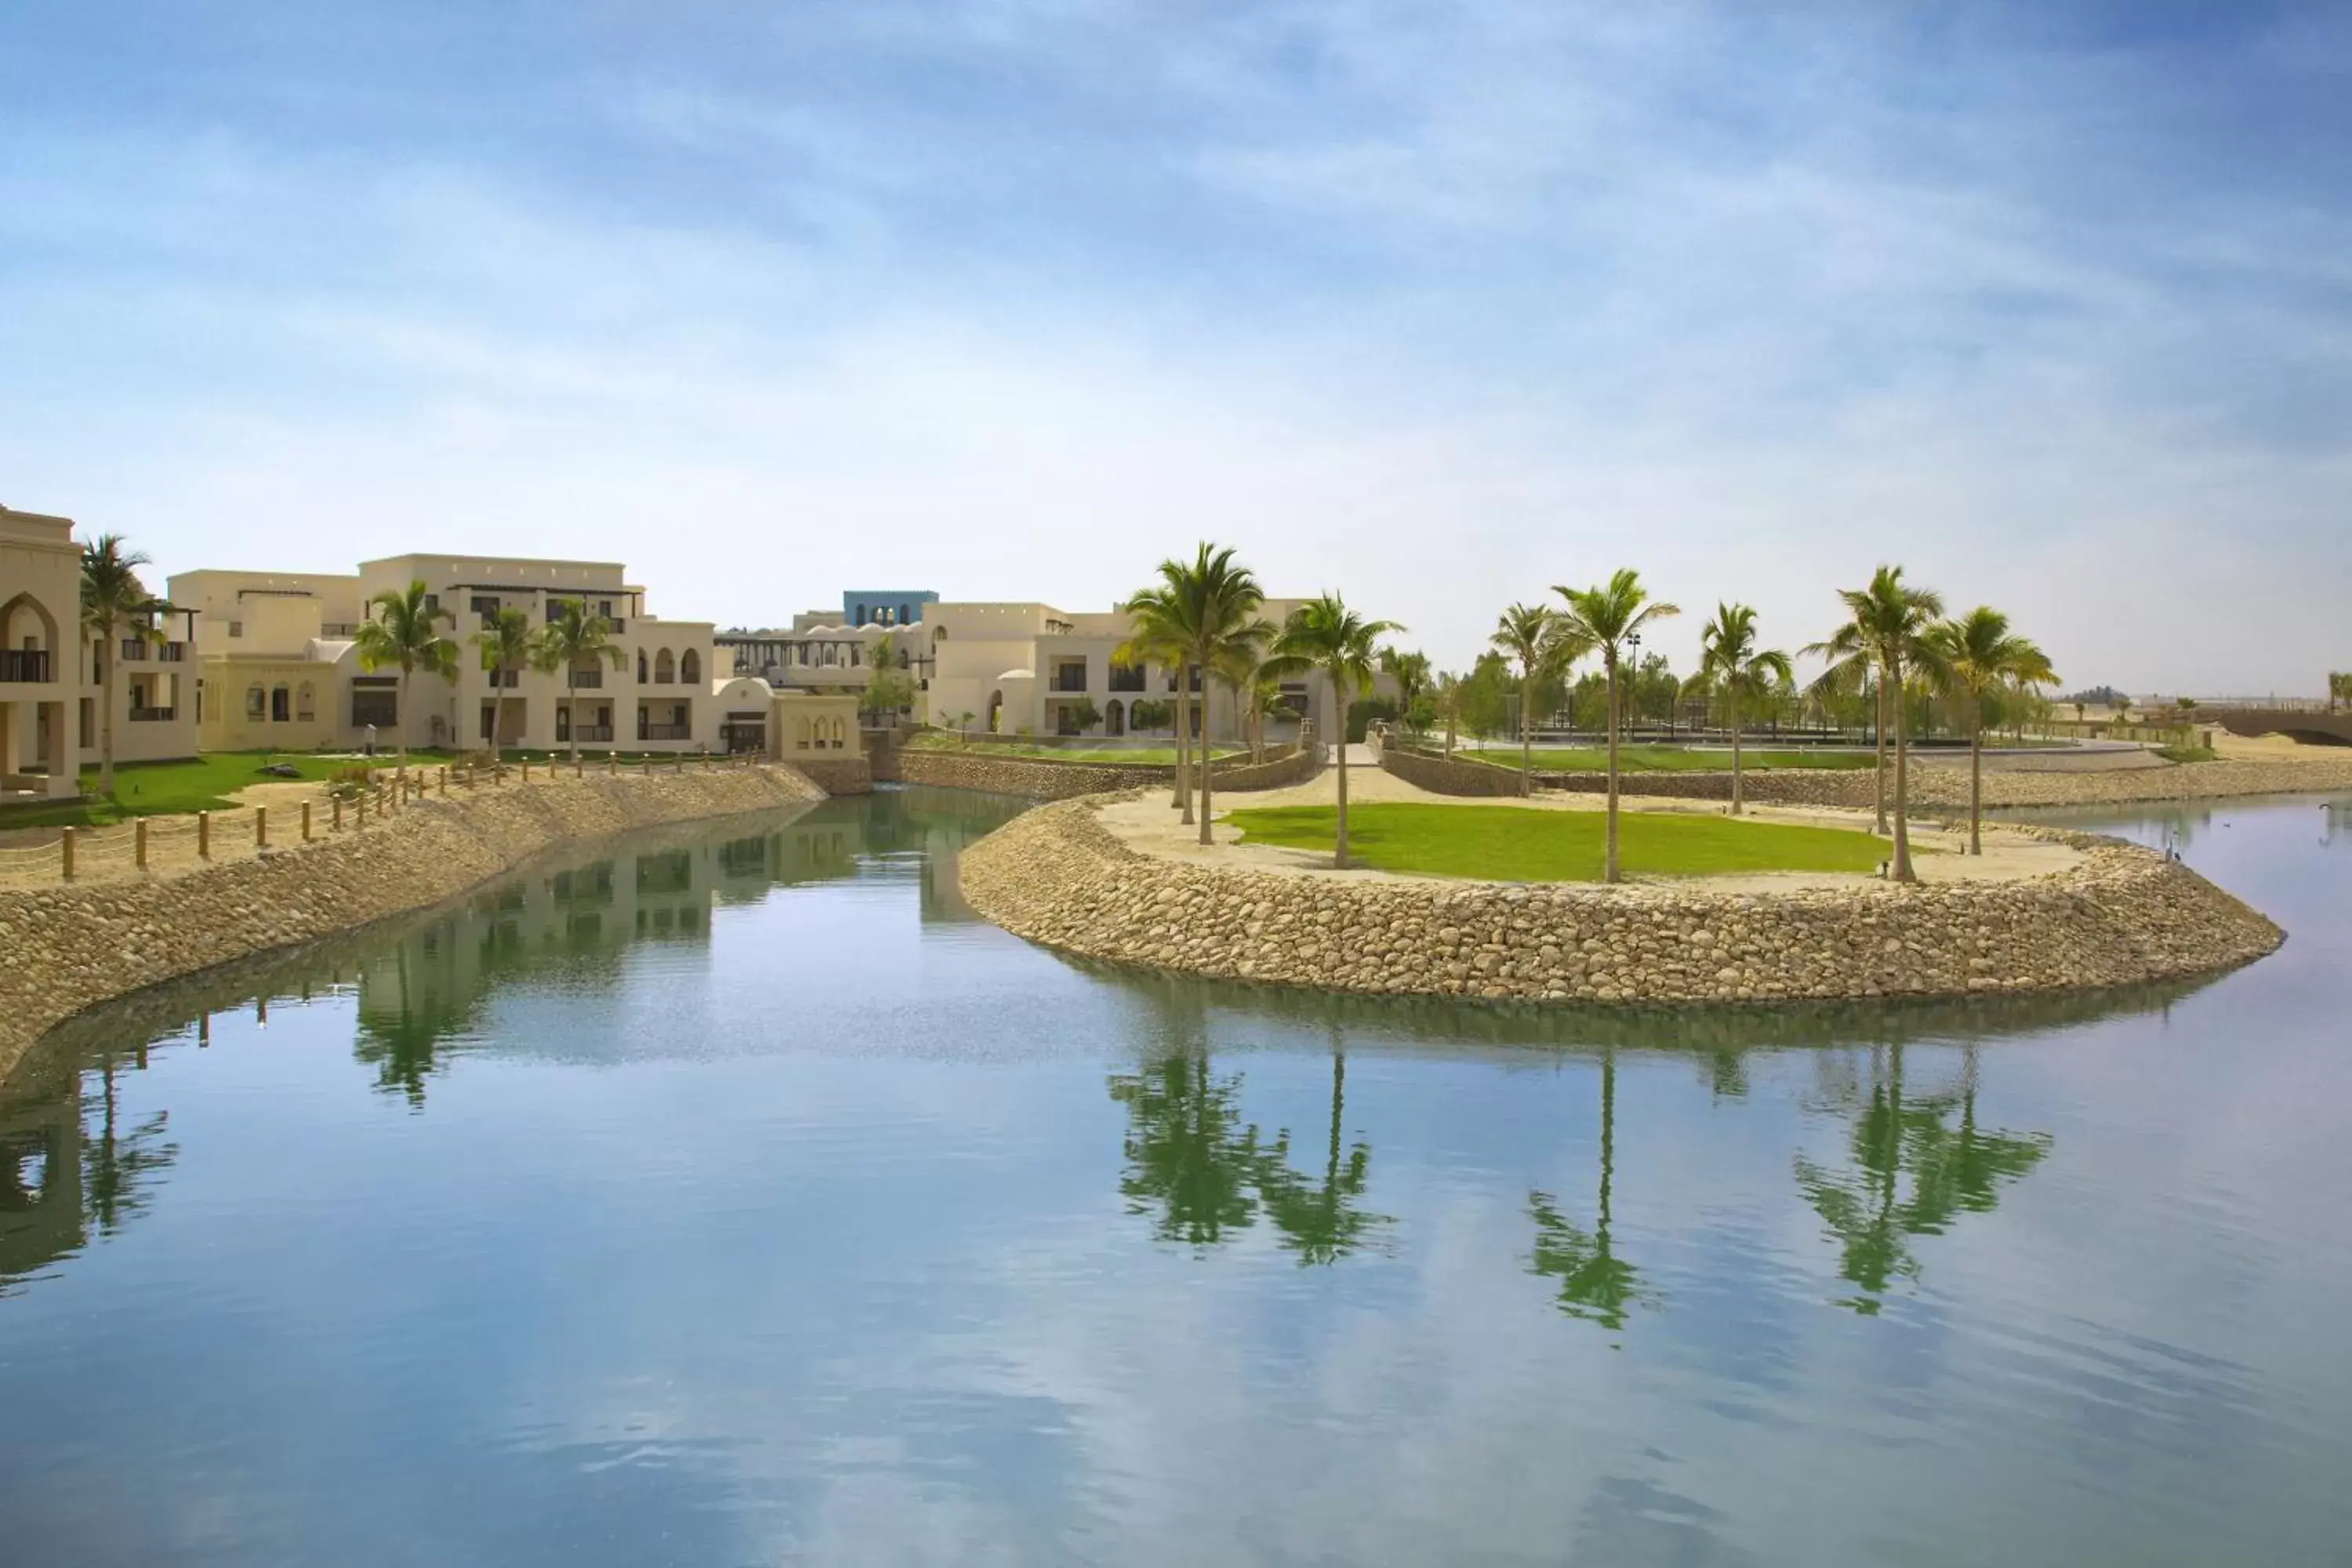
734 1197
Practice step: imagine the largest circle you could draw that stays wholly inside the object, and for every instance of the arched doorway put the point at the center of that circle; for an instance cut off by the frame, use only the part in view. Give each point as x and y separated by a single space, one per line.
1115 718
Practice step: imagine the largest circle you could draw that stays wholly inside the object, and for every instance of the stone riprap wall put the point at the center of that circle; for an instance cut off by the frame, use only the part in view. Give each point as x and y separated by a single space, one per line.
1056 876
1285 766
67 948
836 776
1040 778
1935 788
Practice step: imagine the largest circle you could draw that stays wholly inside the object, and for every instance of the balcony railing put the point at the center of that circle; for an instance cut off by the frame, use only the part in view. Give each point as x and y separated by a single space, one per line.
665 731
589 732
587 680
334 629
134 650
25 664
1073 681
172 652
152 715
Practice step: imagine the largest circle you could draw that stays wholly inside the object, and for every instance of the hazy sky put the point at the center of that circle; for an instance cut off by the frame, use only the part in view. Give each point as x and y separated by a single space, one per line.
1435 304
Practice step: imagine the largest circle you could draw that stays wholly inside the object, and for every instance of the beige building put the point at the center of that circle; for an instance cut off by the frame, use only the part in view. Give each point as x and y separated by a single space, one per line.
280 666
52 674
1018 667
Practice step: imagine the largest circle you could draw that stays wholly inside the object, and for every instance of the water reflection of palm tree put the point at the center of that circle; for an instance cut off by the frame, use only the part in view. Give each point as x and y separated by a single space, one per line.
117 1166
1188 1158
1952 1171
1594 1282
1320 1221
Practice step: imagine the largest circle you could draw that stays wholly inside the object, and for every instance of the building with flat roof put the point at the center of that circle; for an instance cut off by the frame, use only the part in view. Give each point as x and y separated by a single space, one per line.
53 671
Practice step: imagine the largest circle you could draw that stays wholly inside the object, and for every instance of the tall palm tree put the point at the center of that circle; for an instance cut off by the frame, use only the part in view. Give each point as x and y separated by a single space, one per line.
505 645
1978 654
1210 605
1544 645
1256 689
116 607
576 637
1729 661
1602 618
1153 638
1324 636
1850 672
1886 633
1411 673
405 631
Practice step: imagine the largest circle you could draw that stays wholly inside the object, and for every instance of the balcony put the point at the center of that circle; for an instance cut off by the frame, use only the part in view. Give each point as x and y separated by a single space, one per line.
665 731
587 680
30 664
134 650
340 629
152 715
172 652
591 732
1070 679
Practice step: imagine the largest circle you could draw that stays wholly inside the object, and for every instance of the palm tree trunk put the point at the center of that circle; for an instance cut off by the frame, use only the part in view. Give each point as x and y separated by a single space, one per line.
1609 871
1184 737
1339 700
1206 806
401 736
1976 787
1879 776
106 651
572 695
1902 781
1732 705
1526 730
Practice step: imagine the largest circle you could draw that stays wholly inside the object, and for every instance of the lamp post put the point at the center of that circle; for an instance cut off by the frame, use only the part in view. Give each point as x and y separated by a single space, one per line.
1634 668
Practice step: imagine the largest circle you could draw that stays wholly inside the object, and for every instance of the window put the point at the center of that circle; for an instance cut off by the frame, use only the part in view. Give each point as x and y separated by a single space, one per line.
89 715
281 705
689 667
432 604
376 705
237 628
906 614
255 702
642 676
305 703
489 720
1126 677
665 669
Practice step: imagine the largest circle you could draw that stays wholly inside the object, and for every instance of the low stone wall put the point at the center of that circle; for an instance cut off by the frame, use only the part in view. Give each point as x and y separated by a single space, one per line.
1937 788
70 947
1040 778
836 776
1056 876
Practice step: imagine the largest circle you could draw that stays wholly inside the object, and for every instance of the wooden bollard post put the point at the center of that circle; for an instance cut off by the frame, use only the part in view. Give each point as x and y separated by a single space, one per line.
204 836
363 800
306 822
66 853
261 827
445 784
525 770
139 843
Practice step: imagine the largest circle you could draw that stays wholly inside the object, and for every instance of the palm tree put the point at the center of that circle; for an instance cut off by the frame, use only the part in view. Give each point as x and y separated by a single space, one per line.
1978 654
1411 673
1155 638
1729 661
1209 605
1325 636
575 637
1603 617
1449 706
1887 632
405 632
1256 690
1538 637
505 645
116 607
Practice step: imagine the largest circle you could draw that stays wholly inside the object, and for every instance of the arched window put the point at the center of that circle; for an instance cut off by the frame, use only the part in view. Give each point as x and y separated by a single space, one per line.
280 705
689 667
256 702
1115 718
801 733
641 667
859 619
306 707
665 668
840 733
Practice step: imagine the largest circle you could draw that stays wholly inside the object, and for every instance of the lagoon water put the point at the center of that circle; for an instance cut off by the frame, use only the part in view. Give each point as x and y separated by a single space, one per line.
733 1196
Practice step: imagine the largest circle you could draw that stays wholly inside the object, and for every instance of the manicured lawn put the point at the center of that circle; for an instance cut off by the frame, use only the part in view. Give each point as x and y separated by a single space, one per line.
1526 844
1669 759
1148 756
155 789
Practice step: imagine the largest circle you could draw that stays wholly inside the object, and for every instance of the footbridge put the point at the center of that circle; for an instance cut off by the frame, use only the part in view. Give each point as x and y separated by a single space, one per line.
2314 722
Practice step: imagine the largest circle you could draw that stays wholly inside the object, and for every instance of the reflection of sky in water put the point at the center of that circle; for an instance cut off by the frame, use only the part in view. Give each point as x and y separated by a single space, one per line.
817 1220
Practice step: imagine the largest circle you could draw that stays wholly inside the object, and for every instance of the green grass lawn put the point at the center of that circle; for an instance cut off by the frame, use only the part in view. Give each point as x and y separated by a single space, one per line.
1526 844
1148 756
156 789
1669 759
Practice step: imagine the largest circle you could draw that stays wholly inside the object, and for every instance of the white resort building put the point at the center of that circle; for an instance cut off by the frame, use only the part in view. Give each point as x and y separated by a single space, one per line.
53 672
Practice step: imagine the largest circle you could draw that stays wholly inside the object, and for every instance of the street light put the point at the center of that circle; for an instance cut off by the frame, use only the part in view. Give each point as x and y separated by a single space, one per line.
1633 653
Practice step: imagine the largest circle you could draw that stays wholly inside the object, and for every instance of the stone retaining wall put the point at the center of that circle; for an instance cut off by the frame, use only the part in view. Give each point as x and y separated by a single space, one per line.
1056 876
70 947
837 775
1937 788
1040 778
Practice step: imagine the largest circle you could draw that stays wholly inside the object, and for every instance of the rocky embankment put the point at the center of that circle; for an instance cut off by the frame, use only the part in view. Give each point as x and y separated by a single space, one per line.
2121 915
1043 778
67 948
1935 788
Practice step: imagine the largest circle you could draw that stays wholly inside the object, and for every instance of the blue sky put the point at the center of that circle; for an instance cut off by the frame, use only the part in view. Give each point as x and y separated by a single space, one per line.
1435 304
